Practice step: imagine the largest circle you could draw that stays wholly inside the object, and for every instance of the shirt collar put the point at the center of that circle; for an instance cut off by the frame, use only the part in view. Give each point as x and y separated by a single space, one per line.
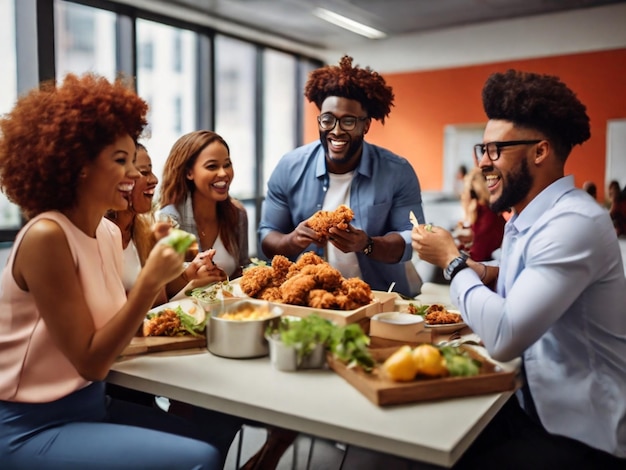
364 167
542 202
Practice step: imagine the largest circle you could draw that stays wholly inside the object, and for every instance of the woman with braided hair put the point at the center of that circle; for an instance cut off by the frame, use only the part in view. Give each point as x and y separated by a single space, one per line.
380 187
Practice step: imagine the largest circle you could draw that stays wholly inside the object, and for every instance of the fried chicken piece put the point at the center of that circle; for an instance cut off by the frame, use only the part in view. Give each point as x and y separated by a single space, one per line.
357 290
326 277
306 259
280 265
344 302
321 298
438 315
295 290
271 294
322 221
255 279
167 323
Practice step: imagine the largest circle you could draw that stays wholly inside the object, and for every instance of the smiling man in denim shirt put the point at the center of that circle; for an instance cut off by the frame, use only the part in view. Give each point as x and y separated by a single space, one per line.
380 187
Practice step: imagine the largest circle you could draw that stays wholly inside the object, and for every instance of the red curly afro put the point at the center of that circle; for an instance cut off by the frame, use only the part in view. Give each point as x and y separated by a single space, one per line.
355 83
54 131
540 102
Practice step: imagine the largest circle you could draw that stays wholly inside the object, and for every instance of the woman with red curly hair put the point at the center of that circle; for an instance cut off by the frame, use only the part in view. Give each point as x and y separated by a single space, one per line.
67 154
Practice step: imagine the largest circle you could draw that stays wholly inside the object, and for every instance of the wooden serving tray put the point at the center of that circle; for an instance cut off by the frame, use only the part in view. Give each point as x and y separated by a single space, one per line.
382 391
148 344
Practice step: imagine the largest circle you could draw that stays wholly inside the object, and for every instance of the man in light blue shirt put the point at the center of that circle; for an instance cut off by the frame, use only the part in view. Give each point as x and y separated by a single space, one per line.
560 291
380 187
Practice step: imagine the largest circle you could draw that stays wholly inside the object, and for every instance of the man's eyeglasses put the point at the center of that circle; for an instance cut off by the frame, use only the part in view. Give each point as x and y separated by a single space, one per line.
493 148
328 122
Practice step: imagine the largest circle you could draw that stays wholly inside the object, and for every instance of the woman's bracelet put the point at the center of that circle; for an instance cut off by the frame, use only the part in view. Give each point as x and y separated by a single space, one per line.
484 274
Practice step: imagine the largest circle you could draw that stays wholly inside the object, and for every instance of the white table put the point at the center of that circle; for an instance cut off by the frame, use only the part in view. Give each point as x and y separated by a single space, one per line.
316 402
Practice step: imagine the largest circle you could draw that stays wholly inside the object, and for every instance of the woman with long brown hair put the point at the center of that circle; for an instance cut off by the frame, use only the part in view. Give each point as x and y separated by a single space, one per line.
195 195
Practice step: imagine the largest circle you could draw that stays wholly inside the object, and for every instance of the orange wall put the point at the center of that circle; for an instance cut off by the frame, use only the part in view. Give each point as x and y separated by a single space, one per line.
427 101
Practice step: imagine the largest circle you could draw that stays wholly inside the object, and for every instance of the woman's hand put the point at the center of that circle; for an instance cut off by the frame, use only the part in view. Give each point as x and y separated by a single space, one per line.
463 235
203 270
163 265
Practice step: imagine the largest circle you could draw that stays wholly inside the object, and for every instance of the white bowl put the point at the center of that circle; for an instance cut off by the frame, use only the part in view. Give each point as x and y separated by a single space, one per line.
398 318
399 326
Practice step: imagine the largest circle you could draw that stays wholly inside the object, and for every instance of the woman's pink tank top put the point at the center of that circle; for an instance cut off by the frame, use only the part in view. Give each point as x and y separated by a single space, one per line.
32 368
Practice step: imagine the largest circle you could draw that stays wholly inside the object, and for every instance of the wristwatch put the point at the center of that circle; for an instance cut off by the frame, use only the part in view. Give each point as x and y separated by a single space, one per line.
369 247
455 266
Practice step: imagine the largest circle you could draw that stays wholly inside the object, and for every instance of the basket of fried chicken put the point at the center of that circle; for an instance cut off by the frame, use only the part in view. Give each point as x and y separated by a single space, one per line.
307 285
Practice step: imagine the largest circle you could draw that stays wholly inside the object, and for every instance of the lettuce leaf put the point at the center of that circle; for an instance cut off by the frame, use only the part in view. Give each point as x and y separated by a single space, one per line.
179 240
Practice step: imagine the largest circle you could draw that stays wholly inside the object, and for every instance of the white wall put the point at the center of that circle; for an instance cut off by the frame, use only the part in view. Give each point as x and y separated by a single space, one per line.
586 30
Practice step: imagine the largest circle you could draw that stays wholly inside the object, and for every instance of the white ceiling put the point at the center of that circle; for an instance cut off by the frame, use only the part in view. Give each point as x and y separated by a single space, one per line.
293 19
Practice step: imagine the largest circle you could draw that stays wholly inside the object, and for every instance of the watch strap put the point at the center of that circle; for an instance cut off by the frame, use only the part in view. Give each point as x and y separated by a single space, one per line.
456 265
369 247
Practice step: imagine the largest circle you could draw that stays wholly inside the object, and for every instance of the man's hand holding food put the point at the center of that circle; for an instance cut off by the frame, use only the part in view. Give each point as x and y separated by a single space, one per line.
434 245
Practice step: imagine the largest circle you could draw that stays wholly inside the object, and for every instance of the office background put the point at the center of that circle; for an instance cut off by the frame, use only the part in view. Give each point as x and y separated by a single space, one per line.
198 73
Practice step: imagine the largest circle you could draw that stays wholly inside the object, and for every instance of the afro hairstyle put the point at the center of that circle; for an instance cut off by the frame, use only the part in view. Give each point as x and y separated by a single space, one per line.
54 130
354 83
540 102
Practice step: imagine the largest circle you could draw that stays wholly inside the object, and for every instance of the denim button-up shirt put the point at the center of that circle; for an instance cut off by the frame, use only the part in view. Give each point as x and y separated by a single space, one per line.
384 190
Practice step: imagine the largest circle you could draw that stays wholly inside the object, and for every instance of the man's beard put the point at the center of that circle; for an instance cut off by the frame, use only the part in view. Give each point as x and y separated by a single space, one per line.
353 148
515 187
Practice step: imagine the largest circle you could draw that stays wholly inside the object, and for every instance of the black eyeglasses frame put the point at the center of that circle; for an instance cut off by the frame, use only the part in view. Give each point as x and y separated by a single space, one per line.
480 149
339 120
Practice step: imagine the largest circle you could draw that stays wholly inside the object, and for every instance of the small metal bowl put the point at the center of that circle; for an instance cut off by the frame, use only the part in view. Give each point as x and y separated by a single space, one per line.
239 339
285 358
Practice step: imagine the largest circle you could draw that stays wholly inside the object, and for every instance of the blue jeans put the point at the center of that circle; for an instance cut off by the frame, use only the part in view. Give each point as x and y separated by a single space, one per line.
85 430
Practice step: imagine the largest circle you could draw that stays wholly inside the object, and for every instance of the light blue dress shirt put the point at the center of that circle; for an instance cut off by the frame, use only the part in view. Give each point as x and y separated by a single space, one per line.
561 303
384 190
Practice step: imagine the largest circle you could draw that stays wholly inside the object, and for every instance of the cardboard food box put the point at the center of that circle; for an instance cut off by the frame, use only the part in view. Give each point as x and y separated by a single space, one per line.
399 326
360 315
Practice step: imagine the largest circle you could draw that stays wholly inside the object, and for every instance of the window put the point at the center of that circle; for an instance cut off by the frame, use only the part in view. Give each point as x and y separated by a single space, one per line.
179 71
10 216
235 109
85 40
145 55
178 51
280 92
177 118
169 83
